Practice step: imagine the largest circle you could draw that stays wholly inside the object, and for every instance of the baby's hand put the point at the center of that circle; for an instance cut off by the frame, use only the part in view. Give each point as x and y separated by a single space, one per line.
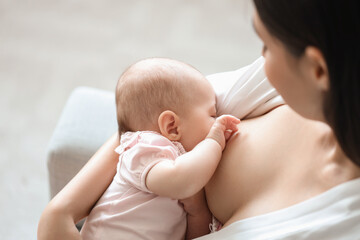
223 128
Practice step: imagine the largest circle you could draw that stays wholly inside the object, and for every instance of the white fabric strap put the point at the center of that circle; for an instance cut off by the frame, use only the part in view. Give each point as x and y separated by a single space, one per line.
334 214
246 92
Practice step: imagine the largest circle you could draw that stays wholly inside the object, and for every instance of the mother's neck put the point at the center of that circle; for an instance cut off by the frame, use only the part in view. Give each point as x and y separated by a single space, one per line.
334 167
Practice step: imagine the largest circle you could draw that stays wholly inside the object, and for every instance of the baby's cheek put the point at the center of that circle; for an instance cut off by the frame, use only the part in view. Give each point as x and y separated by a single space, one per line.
207 127
211 123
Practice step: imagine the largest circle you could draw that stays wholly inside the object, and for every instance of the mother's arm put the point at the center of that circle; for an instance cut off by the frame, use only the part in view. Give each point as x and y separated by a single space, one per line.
76 199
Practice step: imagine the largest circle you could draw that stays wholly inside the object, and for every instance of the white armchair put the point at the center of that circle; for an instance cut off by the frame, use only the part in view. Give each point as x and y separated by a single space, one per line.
87 121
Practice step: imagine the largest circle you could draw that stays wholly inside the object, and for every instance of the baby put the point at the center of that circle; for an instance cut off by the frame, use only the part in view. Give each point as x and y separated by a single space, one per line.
171 143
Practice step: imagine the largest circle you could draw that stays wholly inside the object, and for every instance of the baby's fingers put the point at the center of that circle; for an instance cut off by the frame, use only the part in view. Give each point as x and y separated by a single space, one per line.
223 128
228 134
229 122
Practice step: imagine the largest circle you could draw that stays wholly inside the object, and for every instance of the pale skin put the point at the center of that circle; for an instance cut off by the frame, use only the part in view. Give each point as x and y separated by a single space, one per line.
275 161
202 135
299 158
189 173
262 181
185 177
280 134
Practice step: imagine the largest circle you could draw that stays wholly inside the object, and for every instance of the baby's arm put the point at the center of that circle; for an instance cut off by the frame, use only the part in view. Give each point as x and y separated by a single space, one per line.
190 172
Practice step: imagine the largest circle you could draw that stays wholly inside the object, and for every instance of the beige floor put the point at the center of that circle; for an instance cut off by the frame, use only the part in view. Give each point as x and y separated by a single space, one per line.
47 48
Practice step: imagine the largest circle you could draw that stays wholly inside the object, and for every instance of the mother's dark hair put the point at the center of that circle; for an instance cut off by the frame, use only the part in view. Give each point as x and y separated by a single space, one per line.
333 27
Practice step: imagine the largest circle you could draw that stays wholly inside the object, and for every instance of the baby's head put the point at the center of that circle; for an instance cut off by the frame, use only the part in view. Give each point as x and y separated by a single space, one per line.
166 96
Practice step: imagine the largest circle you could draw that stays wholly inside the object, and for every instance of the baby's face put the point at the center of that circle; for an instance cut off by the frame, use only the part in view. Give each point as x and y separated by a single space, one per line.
200 116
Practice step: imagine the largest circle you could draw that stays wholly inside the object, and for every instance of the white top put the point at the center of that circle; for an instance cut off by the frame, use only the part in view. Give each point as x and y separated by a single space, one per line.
334 214
246 92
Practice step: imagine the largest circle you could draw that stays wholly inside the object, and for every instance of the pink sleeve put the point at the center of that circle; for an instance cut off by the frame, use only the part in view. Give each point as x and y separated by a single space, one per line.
136 162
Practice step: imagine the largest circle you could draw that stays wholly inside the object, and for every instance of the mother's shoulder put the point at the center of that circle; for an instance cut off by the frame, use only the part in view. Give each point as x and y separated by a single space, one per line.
279 120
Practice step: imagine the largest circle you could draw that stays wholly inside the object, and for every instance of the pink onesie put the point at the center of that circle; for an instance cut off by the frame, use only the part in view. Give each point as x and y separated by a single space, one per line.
127 209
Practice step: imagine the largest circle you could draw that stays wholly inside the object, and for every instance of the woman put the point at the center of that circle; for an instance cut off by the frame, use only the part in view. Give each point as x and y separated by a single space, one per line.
319 79
279 160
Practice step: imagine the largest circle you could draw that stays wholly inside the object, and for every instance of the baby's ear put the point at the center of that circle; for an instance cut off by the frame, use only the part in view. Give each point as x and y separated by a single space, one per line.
168 123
